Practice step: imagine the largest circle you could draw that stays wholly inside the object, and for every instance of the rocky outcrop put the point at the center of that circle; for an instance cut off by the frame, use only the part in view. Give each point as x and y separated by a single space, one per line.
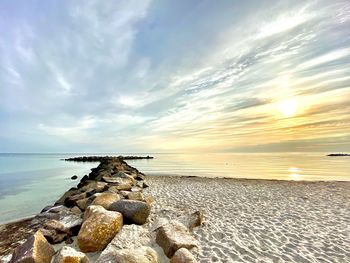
173 236
98 229
105 199
70 255
133 255
95 211
133 211
183 256
35 250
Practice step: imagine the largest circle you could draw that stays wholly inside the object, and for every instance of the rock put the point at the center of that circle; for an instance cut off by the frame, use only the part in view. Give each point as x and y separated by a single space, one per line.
174 236
193 220
53 236
149 199
131 236
72 200
137 255
84 203
120 187
136 189
69 255
99 228
183 256
138 196
35 250
105 199
124 193
72 191
144 185
58 230
74 177
94 185
76 210
133 211
69 241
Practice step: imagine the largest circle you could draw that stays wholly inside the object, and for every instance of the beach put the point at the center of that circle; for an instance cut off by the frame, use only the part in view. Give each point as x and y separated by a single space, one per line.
261 220
245 220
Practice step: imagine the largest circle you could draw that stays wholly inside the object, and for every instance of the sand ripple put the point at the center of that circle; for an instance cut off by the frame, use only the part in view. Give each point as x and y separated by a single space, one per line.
261 221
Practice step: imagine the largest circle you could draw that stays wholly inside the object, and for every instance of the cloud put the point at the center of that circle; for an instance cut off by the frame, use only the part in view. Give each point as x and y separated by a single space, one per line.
175 76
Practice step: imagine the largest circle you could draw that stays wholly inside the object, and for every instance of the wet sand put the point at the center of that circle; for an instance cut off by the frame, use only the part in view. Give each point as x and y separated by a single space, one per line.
261 220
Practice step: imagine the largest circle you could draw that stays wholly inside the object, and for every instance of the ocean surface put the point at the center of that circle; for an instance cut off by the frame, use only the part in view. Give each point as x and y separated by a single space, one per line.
29 182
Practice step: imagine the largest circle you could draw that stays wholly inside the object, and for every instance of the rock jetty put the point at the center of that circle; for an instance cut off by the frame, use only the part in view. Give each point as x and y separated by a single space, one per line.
103 158
105 218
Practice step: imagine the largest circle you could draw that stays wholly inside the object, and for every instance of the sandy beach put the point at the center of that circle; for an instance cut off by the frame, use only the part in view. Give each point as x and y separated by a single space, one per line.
261 220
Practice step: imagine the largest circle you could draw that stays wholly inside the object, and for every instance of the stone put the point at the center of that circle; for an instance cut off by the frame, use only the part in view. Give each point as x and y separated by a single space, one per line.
105 199
145 185
99 228
58 230
136 189
74 177
120 187
53 236
183 256
133 211
72 191
173 236
69 255
124 193
193 220
35 250
138 196
84 203
72 200
149 199
94 185
134 255
76 210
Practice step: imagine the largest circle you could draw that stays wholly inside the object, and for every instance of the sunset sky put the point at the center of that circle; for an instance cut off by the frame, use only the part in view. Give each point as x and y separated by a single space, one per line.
173 76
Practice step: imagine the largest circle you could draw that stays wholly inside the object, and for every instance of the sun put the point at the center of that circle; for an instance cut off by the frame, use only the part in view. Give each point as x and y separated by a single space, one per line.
288 107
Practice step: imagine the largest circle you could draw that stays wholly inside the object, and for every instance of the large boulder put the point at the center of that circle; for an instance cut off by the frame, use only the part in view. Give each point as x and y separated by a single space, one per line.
35 250
99 228
173 236
133 211
105 199
183 256
138 196
59 223
70 255
134 255
58 230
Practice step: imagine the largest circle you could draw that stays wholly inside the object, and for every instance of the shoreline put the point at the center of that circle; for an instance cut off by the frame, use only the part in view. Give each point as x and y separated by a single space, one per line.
241 215
208 177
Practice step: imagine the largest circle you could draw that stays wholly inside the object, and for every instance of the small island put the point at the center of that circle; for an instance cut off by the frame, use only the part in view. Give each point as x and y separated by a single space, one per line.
338 154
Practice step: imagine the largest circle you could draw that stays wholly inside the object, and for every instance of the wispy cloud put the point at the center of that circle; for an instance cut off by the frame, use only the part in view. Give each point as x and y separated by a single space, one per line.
155 76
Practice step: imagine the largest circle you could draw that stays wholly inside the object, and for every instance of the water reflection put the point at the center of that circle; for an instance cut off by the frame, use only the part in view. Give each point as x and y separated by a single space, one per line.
295 173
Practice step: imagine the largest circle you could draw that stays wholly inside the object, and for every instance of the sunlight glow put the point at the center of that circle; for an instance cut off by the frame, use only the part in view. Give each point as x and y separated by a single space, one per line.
288 107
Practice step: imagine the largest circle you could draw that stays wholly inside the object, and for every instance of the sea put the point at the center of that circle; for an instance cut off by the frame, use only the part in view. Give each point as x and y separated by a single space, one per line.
29 182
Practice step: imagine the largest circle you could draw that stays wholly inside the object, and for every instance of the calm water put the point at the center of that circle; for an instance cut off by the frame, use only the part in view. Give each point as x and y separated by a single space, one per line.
28 182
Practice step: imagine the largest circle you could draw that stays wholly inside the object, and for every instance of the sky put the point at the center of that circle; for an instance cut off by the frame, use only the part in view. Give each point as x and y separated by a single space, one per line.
174 76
